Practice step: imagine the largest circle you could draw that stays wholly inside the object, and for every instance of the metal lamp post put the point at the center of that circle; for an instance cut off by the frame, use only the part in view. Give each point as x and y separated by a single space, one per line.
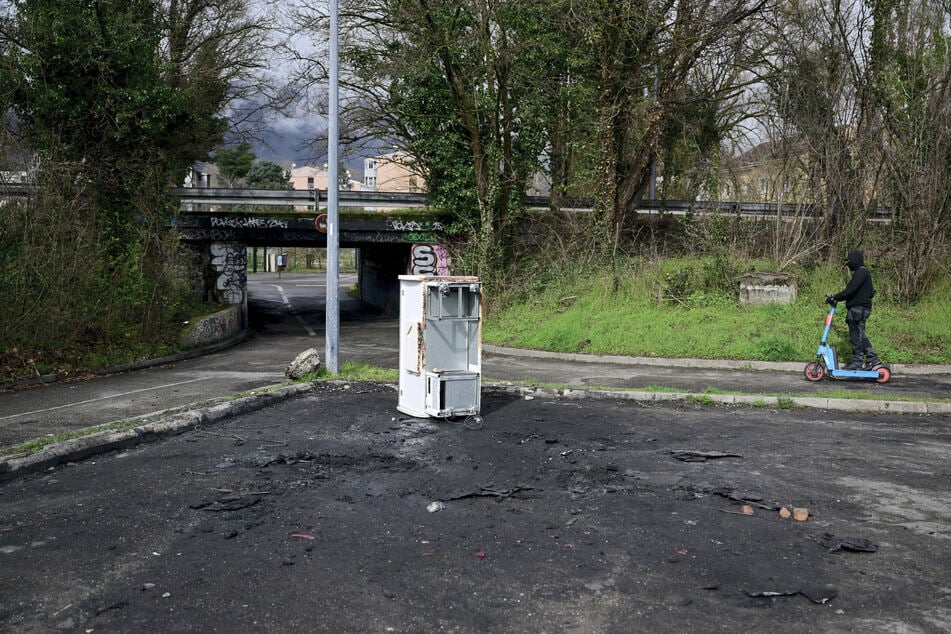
333 212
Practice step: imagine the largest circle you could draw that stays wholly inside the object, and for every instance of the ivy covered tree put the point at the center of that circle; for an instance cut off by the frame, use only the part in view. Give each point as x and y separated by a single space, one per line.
456 85
117 100
485 94
465 79
87 89
133 92
910 91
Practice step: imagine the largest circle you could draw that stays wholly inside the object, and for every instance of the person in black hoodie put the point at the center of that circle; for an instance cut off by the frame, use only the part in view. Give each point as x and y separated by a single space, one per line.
858 295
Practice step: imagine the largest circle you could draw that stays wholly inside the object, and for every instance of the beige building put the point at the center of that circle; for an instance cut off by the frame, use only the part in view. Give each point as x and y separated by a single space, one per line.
391 173
767 173
311 177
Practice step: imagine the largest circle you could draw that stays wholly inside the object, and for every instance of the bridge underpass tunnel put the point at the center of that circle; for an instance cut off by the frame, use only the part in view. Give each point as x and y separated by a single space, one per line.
221 267
378 270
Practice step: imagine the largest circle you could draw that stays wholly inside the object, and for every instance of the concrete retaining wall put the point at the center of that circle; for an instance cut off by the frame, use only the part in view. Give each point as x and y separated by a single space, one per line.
213 328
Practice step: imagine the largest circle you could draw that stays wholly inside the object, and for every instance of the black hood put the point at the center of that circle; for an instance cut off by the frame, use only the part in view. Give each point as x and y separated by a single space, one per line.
855 260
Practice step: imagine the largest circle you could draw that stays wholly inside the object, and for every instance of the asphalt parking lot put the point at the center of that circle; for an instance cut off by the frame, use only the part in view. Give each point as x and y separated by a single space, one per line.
333 512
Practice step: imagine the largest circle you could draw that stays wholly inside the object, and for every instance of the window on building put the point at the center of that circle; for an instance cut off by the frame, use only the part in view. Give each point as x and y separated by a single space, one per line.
310 182
413 186
762 186
370 182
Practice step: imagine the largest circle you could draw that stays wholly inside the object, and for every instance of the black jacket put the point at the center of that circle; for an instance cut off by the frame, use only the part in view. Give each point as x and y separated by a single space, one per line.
859 291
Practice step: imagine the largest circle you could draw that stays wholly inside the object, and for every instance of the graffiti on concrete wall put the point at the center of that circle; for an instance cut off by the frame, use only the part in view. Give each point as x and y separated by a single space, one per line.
414 225
230 263
415 230
212 328
248 223
429 259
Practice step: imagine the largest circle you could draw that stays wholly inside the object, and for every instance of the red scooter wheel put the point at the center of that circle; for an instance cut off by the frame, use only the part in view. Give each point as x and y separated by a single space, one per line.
815 371
884 373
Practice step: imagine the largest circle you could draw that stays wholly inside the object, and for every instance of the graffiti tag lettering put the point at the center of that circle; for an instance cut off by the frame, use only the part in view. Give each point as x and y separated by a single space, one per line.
230 260
429 259
414 225
418 236
249 223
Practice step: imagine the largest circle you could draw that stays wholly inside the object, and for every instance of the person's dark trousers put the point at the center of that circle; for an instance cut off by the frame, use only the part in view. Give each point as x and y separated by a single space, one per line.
861 346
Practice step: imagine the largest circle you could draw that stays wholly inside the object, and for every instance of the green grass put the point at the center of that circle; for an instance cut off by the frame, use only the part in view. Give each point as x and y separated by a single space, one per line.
784 402
583 313
353 371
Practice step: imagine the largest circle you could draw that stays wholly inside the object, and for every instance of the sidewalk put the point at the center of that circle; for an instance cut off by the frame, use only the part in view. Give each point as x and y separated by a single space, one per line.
914 388
918 369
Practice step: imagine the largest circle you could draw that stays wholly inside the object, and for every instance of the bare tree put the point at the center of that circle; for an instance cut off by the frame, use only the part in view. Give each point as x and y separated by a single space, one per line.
814 77
225 54
860 89
910 87
652 61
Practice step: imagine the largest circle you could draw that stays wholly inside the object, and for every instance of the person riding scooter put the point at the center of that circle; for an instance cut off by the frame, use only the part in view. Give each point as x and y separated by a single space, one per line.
858 295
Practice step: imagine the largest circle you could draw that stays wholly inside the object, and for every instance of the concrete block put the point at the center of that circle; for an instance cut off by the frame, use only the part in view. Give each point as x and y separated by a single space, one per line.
759 289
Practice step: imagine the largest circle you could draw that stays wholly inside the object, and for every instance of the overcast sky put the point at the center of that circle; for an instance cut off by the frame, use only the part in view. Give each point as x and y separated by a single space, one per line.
290 137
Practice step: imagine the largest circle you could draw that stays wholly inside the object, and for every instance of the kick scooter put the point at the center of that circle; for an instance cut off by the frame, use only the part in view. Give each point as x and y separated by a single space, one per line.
825 365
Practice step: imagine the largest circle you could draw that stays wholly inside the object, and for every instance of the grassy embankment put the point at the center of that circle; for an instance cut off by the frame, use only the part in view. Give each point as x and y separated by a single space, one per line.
582 313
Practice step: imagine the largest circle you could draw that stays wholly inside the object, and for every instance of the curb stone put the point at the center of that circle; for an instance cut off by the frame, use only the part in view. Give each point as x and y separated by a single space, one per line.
851 405
100 442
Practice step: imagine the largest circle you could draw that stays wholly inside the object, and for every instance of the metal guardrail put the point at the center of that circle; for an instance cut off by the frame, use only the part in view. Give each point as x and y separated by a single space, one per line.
400 200
18 190
295 197
313 199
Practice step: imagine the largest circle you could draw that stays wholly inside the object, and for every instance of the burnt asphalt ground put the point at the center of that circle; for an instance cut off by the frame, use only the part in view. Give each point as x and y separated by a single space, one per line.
563 511
556 514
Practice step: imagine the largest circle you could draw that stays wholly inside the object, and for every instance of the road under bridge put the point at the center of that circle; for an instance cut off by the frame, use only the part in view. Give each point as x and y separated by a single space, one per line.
393 235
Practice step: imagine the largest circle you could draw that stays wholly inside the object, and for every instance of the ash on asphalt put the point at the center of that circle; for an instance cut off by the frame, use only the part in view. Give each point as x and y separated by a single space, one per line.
335 513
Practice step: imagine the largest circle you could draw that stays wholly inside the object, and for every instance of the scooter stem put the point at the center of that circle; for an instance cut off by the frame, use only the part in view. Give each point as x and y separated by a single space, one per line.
825 333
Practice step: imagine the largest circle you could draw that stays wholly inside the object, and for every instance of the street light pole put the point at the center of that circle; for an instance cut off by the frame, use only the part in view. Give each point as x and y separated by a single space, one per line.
333 214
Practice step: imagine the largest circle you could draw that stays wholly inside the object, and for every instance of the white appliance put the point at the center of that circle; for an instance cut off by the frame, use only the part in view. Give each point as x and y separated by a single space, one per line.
440 345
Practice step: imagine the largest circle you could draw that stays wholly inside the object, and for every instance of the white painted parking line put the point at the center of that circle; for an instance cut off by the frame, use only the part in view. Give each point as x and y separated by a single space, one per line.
280 290
310 331
290 307
102 398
